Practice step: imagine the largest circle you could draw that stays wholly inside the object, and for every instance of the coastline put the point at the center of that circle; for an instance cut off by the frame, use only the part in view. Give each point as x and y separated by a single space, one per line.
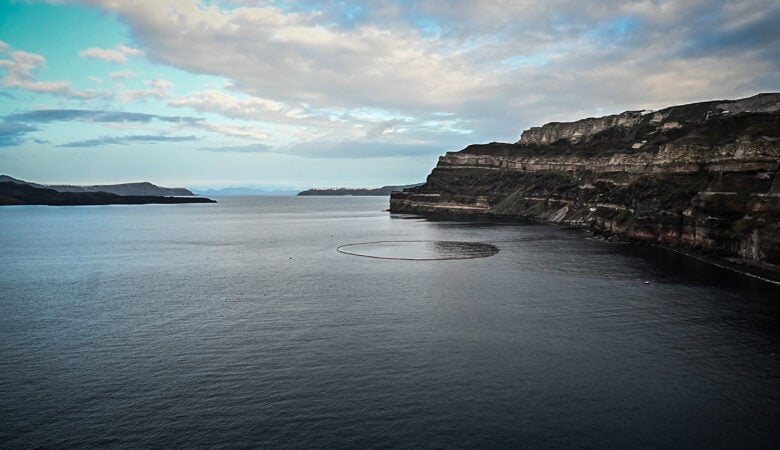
763 274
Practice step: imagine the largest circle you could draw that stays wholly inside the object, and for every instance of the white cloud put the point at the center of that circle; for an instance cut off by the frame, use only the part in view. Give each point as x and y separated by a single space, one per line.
292 58
248 132
19 74
252 108
158 88
498 65
116 55
121 74
129 50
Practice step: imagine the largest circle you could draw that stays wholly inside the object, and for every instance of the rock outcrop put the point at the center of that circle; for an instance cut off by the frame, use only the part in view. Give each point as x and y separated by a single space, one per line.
701 176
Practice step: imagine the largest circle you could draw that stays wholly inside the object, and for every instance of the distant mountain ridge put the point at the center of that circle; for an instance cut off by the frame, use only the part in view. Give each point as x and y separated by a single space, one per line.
243 191
384 190
12 193
141 188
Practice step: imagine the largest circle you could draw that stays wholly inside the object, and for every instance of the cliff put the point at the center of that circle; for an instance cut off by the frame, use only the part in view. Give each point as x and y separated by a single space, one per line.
23 194
141 188
701 176
384 190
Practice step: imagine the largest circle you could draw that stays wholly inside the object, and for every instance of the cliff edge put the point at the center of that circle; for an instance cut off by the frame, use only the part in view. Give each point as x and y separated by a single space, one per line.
700 176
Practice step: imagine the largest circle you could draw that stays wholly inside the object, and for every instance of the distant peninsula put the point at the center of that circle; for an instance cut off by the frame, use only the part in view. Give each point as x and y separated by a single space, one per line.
141 188
12 193
244 192
384 190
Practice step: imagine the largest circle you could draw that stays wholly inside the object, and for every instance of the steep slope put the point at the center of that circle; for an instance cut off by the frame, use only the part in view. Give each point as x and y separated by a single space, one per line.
701 176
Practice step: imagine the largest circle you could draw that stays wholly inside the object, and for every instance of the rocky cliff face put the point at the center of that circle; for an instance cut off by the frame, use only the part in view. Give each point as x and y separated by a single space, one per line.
701 176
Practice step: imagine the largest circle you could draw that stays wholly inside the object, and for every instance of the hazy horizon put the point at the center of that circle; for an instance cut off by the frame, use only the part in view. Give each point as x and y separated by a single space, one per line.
207 188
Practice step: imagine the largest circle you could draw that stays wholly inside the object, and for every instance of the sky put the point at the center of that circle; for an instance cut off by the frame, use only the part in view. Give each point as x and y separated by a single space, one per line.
309 93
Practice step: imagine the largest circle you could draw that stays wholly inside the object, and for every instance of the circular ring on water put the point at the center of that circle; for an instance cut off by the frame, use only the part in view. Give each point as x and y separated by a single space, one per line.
423 250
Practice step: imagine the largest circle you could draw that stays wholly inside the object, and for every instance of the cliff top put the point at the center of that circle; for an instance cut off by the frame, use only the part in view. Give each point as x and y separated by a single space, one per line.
681 114
705 123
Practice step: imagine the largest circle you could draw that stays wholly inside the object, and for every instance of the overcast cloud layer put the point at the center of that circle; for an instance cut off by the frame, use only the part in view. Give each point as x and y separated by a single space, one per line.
386 80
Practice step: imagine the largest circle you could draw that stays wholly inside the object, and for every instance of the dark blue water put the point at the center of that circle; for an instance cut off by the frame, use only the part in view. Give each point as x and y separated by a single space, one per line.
240 325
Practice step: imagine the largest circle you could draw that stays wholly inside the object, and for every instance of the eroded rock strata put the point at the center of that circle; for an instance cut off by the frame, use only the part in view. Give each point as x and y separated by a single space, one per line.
701 176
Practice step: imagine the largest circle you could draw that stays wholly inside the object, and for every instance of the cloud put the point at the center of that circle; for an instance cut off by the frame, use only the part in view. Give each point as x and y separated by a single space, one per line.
19 74
125 140
121 74
116 55
745 29
214 101
110 118
12 133
264 50
252 148
158 88
241 131
498 65
303 123
387 126
364 149
360 149
99 116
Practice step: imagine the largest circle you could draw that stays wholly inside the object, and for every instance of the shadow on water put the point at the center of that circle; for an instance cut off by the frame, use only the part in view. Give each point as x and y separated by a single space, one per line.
419 250
664 263
469 221
670 265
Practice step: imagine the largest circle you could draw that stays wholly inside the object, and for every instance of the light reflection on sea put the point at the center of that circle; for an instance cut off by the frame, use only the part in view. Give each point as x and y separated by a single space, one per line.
240 325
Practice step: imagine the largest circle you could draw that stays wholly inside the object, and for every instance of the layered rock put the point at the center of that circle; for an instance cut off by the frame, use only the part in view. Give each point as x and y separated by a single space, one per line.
701 176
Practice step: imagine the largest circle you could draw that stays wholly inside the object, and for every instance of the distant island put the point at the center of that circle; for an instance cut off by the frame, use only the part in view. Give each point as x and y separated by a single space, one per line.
141 188
16 193
243 192
384 190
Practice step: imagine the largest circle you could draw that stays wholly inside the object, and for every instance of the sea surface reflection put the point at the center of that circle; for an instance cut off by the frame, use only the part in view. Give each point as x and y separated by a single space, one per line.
239 325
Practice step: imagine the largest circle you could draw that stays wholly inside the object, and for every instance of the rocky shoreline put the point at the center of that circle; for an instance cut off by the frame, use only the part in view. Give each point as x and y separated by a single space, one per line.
700 177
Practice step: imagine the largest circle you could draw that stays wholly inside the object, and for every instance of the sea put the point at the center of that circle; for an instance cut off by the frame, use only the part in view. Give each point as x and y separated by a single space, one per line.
328 322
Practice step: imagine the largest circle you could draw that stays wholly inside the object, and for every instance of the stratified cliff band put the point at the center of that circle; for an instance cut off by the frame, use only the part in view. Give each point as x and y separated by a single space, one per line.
701 176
